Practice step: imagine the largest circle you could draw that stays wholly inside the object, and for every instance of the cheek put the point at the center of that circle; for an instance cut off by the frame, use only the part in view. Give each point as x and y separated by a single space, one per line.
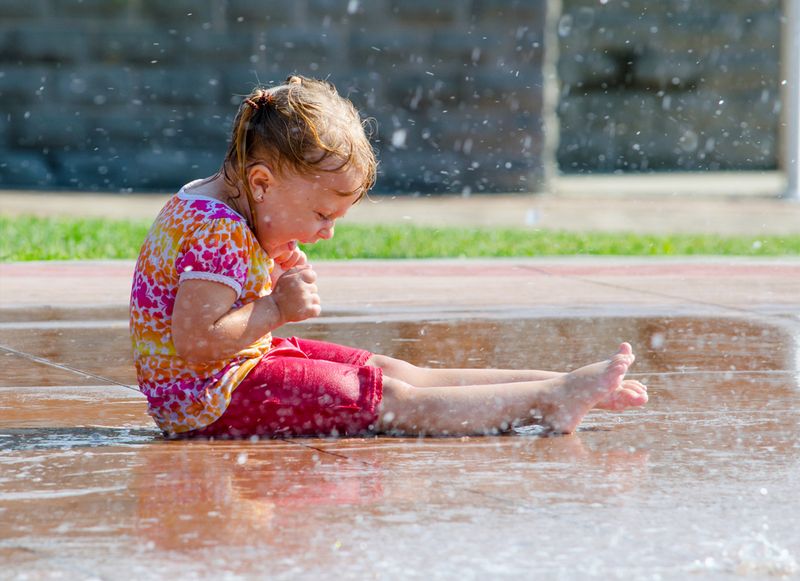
264 224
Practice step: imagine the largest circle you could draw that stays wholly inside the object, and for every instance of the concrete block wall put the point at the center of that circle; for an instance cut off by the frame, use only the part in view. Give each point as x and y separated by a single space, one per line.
669 85
139 94
118 95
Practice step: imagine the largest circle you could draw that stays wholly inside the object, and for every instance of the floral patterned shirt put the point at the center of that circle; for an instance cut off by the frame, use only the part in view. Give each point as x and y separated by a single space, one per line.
194 237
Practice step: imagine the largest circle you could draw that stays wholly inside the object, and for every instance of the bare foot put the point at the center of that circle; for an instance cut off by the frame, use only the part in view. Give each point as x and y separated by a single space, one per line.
575 393
630 394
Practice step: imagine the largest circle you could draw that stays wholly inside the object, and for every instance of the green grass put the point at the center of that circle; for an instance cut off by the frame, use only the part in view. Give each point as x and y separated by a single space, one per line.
28 238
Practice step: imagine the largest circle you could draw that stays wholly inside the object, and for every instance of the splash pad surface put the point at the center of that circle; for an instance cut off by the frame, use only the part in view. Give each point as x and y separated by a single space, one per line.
701 481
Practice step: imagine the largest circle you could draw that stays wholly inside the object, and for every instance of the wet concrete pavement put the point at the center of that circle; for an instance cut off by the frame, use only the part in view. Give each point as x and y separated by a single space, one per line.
702 482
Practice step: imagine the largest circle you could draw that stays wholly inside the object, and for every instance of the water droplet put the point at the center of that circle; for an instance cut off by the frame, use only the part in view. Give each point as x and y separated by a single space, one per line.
565 25
399 138
689 141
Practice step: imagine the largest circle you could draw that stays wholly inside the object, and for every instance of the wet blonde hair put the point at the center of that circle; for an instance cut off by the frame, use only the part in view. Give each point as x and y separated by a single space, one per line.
299 126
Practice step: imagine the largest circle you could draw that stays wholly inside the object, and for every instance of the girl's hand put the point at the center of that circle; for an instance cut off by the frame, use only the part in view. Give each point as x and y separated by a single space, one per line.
289 256
296 296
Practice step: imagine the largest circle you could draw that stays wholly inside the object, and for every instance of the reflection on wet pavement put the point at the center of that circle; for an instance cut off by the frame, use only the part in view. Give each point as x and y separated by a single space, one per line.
702 481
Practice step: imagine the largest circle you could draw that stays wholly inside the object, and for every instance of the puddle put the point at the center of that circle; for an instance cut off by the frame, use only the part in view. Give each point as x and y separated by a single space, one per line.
703 481
24 439
665 345
51 313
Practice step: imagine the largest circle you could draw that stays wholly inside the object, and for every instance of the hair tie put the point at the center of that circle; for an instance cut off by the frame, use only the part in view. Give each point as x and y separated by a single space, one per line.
261 100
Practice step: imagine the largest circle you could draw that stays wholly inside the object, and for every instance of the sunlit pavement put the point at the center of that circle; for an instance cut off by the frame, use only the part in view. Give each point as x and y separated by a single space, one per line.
702 481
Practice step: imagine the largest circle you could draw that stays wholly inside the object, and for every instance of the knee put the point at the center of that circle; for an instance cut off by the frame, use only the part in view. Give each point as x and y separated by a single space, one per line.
396 368
396 389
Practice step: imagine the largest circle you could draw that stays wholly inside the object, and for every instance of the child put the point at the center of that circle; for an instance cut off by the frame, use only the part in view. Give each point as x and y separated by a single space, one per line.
221 269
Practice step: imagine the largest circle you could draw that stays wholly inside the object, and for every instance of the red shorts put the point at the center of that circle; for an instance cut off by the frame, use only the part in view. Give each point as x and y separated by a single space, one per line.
303 388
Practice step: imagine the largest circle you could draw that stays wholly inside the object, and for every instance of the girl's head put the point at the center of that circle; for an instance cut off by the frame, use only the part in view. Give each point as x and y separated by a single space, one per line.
301 128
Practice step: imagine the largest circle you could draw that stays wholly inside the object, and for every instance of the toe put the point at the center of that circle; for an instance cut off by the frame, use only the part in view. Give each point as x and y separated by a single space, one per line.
626 360
627 398
634 385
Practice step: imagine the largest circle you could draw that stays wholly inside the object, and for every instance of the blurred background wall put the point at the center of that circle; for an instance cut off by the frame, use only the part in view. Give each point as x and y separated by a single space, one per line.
669 85
122 95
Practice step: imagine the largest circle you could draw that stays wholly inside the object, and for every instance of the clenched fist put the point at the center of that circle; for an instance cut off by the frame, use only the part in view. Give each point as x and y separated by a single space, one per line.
296 296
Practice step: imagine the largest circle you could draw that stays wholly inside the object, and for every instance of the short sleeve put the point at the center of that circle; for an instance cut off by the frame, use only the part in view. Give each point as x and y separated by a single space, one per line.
216 251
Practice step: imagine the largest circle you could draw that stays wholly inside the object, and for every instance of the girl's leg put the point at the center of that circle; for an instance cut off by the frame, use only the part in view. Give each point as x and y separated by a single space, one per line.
430 377
629 393
561 401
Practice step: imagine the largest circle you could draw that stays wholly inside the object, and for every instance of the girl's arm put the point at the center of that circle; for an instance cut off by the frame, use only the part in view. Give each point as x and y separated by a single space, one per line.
205 327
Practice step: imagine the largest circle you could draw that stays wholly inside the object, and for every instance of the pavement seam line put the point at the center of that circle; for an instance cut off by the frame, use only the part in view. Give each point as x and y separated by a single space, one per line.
65 367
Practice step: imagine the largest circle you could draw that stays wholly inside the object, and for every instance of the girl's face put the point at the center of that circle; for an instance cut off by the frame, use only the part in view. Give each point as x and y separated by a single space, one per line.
303 208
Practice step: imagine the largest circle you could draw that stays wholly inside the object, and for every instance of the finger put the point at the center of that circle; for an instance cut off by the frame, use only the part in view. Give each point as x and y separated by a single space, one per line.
301 258
290 262
297 270
307 274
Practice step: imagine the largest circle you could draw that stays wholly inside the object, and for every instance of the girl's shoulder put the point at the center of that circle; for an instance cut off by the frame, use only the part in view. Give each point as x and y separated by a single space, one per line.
203 207
190 219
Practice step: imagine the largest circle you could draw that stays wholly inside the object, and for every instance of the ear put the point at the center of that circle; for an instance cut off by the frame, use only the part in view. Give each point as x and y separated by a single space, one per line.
260 178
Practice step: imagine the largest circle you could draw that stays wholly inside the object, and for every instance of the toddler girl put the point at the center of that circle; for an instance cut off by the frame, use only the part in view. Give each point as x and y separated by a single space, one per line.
221 268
